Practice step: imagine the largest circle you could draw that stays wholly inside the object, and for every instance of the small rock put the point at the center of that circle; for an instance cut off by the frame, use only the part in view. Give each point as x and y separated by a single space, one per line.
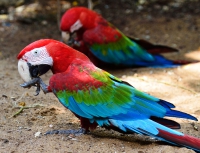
44 22
165 8
123 76
4 96
142 1
13 98
5 140
37 134
147 37
170 72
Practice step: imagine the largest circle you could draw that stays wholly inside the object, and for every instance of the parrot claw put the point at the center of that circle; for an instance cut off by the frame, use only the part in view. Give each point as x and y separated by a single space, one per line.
38 83
73 41
37 90
70 42
33 82
75 132
77 43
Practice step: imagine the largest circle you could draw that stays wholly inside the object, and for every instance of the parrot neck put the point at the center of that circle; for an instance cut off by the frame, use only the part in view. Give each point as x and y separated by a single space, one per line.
63 56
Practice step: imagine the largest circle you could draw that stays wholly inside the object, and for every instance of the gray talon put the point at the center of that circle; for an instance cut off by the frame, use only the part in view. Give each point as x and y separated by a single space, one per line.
38 83
37 90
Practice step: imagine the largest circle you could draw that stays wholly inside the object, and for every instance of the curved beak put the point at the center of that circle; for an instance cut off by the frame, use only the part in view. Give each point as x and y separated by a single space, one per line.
28 71
67 38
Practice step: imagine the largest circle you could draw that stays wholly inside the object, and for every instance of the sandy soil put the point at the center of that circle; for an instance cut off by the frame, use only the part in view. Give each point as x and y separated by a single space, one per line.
180 86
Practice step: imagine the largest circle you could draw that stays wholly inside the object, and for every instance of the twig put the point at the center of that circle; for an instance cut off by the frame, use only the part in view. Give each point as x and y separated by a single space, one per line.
20 98
58 13
90 4
194 126
18 112
21 108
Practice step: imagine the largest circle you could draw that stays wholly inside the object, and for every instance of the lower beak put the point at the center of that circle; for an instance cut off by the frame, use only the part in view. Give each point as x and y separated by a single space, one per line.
28 71
38 70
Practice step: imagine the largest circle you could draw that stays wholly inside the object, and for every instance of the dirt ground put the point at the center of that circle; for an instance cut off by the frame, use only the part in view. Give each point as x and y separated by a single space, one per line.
176 27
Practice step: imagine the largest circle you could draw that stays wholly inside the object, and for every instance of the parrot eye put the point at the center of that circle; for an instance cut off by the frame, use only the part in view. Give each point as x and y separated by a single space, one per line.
36 52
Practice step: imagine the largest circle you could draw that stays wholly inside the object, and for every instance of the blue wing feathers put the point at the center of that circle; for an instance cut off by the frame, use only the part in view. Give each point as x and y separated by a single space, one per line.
142 125
175 113
74 107
166 104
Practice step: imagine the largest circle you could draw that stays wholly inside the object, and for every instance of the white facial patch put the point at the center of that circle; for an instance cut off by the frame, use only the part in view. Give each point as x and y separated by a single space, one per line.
38 56
76 26
23 70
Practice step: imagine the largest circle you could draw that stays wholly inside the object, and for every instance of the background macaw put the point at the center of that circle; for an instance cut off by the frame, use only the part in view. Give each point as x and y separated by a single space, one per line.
106 45
97 97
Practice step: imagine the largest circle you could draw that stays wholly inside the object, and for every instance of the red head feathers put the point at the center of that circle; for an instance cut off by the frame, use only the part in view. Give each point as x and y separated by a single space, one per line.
76 16
61 54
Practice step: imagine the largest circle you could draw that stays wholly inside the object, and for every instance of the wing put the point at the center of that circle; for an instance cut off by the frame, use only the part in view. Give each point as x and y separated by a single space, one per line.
95 94
98 97
111 46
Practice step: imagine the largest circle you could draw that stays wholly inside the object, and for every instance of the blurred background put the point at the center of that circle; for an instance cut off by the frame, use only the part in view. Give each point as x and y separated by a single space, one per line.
168 22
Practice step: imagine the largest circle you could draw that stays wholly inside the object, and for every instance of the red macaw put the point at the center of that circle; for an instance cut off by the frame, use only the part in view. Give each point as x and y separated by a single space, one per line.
97 97
105 45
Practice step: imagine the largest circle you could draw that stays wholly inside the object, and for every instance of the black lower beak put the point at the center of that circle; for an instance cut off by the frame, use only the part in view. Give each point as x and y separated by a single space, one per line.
38 70
71 39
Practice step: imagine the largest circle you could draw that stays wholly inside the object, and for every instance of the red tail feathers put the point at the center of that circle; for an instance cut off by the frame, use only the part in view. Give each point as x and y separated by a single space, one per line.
183 140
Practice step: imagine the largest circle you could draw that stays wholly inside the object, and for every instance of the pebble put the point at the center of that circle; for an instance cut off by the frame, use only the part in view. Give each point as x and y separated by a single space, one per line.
50 125
165 8
5 140
123 76
170 72
147 37
37 134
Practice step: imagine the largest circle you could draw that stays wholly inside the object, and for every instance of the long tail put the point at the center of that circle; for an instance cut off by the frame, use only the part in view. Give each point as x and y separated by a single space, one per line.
161 61
152 128
156 50
153 48
182 140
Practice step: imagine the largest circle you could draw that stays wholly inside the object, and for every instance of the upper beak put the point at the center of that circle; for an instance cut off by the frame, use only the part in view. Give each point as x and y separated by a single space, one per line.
67 38
28 71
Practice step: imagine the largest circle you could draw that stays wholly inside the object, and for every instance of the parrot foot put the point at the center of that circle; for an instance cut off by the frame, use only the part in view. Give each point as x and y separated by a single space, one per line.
74 42
77 43
38 83
74 132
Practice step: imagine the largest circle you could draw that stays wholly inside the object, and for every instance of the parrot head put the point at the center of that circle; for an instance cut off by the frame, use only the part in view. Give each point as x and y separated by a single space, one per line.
75 19
34 60
45 54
